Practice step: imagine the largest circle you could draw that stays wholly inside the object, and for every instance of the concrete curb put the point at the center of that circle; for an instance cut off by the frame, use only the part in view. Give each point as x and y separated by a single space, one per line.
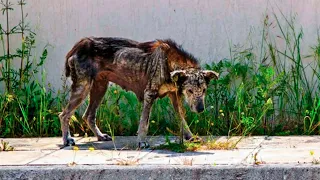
87 172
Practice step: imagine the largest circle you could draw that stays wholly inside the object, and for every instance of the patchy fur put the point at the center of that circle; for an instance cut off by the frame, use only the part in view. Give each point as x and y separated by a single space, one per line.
150 69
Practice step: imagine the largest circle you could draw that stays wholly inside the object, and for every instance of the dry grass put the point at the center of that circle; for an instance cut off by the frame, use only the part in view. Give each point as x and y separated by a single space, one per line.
4 146
198 146
256 161
127 162
186 161
72 164
211 145
221 145
315 161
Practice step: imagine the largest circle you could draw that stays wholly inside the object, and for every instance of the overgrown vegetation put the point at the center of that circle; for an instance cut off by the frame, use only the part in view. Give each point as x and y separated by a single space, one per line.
28 106
271 88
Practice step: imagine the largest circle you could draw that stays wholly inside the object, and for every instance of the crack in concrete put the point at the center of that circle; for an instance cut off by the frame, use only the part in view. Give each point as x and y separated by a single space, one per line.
255 150
53 151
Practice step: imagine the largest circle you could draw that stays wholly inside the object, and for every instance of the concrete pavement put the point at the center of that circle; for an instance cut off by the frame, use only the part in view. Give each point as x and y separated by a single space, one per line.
257 157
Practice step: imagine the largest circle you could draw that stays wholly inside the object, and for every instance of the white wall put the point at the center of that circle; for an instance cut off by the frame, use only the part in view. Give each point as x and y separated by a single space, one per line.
203 27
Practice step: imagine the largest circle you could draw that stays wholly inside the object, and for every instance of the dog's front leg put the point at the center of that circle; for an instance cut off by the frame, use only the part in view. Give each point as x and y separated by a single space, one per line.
149 97
178 106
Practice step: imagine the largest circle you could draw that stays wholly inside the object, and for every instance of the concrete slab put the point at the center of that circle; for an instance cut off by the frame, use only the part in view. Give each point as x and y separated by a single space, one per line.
68 156
287 155
278 158
212 157
121 143
145 157
22 157
287 150
30 144
291 142
268 150
130 142
251 142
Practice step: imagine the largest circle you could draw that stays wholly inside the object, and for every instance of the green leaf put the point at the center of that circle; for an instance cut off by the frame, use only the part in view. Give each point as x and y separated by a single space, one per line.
43 57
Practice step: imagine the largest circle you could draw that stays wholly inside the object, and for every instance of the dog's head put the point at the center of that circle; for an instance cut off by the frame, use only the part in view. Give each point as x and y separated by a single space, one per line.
193 85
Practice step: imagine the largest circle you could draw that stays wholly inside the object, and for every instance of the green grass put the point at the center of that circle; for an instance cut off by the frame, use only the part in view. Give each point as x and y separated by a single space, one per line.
264 89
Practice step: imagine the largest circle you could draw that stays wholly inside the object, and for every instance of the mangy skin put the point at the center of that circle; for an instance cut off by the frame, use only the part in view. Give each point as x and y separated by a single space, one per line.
149 69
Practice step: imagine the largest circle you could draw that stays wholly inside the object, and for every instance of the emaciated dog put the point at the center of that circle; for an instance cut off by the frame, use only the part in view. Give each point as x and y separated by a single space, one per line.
150 69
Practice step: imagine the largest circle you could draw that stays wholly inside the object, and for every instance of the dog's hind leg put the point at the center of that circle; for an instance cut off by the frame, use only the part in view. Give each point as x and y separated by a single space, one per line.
97 92
79 91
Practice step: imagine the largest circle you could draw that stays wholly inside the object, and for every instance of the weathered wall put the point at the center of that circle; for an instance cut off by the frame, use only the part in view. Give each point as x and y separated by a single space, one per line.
203 27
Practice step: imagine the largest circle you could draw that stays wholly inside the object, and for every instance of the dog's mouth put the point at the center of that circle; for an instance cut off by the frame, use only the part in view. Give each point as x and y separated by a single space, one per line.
199 108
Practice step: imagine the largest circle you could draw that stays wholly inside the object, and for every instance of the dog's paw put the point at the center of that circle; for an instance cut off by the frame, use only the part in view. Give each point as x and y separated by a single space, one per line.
143 145
104 137
69 142
195 139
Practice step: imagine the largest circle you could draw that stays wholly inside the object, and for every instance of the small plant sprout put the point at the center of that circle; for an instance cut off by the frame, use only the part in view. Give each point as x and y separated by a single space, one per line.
255 159
127 161
311 152
314 159
91 149
75 149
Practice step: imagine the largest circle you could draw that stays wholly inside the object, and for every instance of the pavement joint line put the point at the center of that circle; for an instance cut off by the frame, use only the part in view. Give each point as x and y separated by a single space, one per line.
45 155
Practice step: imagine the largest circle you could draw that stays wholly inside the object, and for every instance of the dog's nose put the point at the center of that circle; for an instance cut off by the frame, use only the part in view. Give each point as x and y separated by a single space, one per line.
200 107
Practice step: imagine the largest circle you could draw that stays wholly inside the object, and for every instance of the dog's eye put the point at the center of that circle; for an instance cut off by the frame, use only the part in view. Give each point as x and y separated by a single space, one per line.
190 91
204 90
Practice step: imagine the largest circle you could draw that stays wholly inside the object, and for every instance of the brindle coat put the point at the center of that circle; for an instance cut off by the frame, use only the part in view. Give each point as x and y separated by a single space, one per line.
149 69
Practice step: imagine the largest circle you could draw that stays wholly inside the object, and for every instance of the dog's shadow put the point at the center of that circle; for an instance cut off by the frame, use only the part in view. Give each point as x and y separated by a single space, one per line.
129 143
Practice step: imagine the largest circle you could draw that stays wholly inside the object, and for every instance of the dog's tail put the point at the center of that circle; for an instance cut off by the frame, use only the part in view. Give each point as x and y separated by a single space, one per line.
82 49
67 66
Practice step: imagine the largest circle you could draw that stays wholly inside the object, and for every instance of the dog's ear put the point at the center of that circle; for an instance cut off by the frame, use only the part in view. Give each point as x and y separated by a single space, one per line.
178 75
208 74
